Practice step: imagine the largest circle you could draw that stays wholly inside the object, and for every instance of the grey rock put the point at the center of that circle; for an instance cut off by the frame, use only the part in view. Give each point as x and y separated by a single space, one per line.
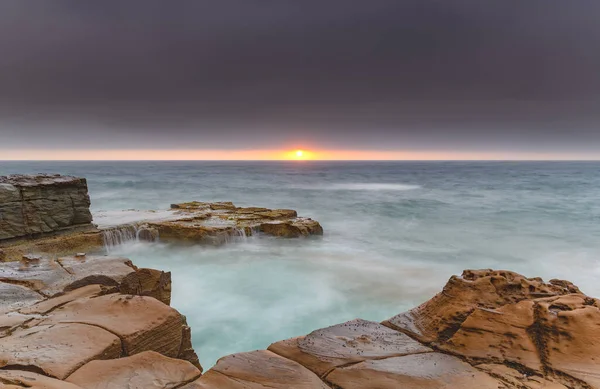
38 205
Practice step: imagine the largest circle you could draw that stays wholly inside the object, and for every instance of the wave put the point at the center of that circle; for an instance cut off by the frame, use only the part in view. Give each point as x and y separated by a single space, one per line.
357 186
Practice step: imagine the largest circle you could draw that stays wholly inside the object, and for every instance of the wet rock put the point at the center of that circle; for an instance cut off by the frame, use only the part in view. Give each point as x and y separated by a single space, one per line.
354 341
142 371
16 296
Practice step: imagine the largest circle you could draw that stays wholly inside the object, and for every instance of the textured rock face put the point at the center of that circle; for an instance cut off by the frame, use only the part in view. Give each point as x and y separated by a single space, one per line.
58 317
100 322
207 223
31 206
487 329
147 370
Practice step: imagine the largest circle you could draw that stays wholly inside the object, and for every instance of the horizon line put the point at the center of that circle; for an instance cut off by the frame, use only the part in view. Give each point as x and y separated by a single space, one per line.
298 154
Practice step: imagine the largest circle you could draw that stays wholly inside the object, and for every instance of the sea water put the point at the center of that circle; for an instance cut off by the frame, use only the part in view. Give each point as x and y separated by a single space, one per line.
394 233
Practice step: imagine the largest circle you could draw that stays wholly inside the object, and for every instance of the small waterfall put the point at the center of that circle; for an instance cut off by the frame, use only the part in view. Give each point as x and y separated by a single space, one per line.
127 233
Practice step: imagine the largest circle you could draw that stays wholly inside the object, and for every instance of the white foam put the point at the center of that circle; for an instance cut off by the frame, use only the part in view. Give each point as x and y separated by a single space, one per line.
106 219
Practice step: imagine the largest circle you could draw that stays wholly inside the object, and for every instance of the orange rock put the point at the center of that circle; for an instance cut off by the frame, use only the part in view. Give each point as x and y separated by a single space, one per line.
19 379
146 370
148 282
58 350
439 318
257 370
354 341
515 379
142 323
569 336
421 371
501 335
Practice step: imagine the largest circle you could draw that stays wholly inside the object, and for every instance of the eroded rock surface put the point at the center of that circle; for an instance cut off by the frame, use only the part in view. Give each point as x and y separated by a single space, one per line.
147 370
487 329
59 316
100 322
34 205
207 223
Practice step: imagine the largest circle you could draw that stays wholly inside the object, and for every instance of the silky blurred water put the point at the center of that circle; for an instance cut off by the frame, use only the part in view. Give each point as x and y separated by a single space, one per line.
394 233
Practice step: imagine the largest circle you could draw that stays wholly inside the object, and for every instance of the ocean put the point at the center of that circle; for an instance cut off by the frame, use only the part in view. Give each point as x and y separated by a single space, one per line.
394 233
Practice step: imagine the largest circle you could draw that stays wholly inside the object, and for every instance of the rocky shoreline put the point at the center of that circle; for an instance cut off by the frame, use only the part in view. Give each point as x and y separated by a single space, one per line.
84 321
49 215
94 322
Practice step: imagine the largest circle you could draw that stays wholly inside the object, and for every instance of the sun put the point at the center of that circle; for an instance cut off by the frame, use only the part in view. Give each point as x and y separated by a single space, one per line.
299 153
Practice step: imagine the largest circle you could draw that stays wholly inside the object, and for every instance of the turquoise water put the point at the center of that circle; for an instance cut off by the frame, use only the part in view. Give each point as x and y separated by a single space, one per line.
394 233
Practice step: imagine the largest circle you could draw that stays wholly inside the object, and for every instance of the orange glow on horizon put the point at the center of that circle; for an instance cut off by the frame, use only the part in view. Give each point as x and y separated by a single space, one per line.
278 155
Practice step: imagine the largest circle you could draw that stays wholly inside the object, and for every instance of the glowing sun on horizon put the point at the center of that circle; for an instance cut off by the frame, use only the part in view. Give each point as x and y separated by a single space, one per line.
298 155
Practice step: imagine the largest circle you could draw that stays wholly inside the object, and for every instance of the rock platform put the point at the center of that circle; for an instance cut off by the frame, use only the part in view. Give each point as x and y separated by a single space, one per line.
50 215
100 322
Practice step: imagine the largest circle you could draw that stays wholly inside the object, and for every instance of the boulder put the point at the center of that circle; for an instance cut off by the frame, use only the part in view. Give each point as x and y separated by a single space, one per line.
148 282
34 205
439 318
145 370
142 323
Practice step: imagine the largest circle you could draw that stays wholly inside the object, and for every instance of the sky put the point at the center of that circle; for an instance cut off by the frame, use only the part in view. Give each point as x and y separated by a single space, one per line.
341 79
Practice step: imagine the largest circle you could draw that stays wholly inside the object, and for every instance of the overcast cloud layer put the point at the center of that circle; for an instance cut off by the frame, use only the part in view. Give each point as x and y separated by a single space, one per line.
381 74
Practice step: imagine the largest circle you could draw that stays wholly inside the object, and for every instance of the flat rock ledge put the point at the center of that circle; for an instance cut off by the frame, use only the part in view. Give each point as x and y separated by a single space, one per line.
100 322
50 214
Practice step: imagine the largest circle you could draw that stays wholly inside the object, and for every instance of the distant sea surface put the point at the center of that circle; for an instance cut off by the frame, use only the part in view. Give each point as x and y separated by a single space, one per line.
394 233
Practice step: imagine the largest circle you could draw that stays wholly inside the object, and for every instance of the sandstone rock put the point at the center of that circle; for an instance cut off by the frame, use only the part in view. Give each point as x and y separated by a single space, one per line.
515 379
186 351
439 318
143 323
50 277
422 371
102 270
148 282
46 306
64 244
142 371
34 205
57 350
46 277
568 335
501 335
16 296
19 379
257 370
354 341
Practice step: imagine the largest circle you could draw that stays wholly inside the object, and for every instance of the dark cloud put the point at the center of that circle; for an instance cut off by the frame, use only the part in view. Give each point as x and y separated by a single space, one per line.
229 73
